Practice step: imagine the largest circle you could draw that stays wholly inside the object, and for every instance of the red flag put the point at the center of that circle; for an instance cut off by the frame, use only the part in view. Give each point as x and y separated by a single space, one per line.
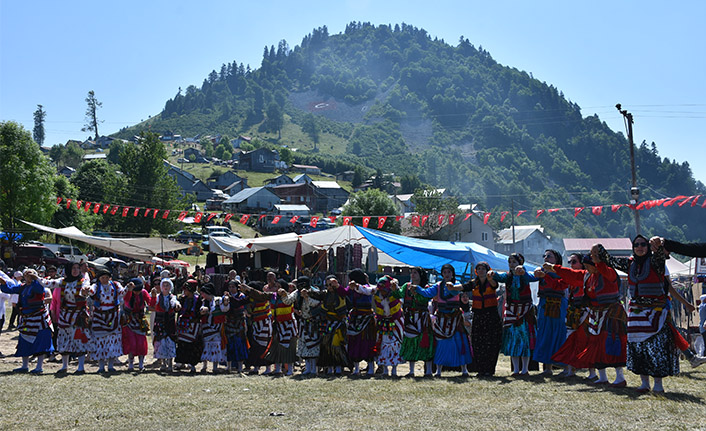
58 200
68 203
105 208
452 217
424 219
314 221
198 217
578 210
597 210
366 221
695 201
136 212
440 219
703 205
347 220
114 210
228 217
468 215
165 214
294 219
96 208
79 204
262 216
333 219
182 215
539 213
486 217
553 210
154 213
682 203
87 207
398 218
381 222
276 219
125 210
147 212
415 220
641 205
503 215
210 216
615 208
244 218
519 213
671 202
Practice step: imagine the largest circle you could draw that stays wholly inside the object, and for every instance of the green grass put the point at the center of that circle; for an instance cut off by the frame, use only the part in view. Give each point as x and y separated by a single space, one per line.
155 402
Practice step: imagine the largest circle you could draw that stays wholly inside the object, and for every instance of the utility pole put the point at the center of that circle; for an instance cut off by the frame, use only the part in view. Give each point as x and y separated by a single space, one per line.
634 191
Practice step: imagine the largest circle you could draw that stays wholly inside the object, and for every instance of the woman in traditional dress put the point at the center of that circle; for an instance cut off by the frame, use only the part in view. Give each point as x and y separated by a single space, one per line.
600 341
389 320
576 312
35 336
452 346
213 316
165 307
106 331
236 327
418 341
519 322
260 328
283 352
334 351
487 327
362 334
71 316
309 345
652 337
135 326
189 345
551 313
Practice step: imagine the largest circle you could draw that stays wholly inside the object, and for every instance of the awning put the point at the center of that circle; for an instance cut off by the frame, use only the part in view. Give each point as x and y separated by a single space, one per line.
136 248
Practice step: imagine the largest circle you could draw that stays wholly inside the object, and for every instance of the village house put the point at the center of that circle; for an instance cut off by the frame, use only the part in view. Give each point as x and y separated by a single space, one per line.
287 212
333 195
253 199
259 160
278 181
301 194
471 230
529 240
306 169
188 183
221 181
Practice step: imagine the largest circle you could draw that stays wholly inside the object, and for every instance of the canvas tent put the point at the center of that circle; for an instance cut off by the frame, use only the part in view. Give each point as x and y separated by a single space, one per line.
136 248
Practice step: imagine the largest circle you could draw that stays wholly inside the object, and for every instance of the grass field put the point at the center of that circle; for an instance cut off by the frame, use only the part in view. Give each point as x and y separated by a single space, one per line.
155 401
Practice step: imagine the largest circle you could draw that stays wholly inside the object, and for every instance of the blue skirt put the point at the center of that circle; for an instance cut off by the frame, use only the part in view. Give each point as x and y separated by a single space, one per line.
454 351
516 340
237 349
551 332
42 344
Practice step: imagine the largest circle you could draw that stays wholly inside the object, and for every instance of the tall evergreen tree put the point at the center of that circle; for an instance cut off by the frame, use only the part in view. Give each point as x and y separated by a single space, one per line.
38 131
91 114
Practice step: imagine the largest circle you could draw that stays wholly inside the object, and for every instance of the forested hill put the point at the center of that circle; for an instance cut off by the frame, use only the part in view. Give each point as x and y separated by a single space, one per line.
396 98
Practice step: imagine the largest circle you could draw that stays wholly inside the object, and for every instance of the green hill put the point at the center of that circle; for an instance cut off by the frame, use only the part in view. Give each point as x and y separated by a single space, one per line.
395 98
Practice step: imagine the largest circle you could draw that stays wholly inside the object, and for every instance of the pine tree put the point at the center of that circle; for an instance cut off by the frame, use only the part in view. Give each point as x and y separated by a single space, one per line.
91 117
38 131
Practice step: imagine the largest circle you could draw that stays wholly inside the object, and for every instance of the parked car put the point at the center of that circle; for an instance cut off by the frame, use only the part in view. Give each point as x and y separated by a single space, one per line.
210 230
185 236
31 254
74 254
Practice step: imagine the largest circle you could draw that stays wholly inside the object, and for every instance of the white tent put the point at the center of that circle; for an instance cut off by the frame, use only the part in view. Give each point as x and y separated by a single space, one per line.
310 242
677 268
136 248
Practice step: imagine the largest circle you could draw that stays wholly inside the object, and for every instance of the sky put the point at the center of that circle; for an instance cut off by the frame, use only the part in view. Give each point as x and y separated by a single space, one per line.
648 56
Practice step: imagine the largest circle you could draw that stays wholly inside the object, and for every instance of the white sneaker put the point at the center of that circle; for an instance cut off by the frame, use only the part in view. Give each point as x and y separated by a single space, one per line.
697 360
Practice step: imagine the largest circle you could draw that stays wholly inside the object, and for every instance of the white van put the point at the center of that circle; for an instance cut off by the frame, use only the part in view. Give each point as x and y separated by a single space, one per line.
72 253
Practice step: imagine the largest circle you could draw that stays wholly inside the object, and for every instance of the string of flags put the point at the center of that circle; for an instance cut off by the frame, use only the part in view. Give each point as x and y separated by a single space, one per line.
417 220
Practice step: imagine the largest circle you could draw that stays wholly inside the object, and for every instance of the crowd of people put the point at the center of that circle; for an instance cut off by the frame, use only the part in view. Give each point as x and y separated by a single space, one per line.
276 325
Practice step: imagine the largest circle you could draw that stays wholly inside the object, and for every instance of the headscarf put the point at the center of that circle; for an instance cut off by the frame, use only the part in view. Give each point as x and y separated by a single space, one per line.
208 289
303 282
357 275
191 285
68 276
518 257
641 259
557 256
384 285
450 267
423 276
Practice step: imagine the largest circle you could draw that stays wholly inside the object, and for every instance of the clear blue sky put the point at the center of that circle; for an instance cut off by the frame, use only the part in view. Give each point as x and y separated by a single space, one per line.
647 55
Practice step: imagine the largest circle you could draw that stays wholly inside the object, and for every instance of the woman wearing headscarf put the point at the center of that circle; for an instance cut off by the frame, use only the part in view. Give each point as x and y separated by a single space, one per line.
236 326
487 327
576 312
261 327
213 316
600 340
418 341
519 323
135 323
189 342
35 336
71 316
165 307
389 320
452 346
106 331
362 334
551 313
652 337
310 318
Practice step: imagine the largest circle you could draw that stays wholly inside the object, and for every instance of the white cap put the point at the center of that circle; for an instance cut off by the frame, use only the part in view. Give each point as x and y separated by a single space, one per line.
164 274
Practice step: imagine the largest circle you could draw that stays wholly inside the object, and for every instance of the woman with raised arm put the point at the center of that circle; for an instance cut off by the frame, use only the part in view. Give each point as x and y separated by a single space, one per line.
135 326
418 341
334 348
453 348
519 323
576 312
189 342
600 341
487 328
362 334
213 317
310 318
107 335
389 320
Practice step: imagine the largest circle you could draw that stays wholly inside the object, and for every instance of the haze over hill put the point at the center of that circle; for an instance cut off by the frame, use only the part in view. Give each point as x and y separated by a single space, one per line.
397 99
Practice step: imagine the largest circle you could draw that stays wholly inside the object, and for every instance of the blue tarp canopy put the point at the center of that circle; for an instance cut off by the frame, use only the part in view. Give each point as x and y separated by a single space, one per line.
7 236
433 254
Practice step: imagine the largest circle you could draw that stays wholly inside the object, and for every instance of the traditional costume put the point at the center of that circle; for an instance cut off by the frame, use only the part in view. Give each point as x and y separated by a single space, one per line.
362 334
189 343
389 320
136 327
487 328
105 321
